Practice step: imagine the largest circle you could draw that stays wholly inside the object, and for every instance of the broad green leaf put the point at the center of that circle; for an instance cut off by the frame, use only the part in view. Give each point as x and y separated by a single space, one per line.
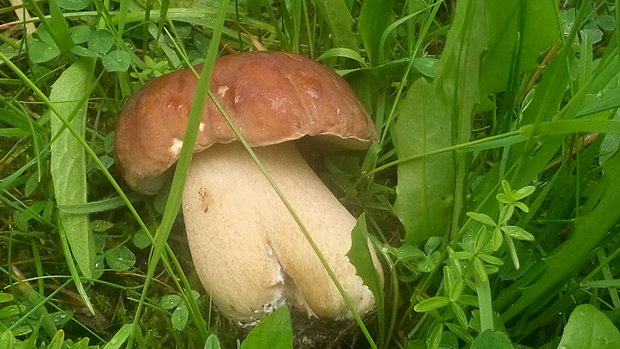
533 22
80 34
101 41
407 251
589 328
40 52
116 61
68 163
120 258
424 192
120 337
212 342
491 339
180 317
425 65
170 301
360 257
339 20
375 16
272 332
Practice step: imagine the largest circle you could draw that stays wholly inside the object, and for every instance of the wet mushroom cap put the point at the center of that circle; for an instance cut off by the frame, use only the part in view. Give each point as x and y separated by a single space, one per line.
272 97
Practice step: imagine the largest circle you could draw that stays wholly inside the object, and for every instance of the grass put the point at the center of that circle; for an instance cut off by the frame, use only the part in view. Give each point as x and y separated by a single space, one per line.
491 193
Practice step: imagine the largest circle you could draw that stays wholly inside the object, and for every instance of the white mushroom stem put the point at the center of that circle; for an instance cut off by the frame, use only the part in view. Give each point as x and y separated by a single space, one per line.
249 253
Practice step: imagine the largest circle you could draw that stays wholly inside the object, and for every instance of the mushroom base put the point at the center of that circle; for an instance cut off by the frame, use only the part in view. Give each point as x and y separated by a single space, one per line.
248 251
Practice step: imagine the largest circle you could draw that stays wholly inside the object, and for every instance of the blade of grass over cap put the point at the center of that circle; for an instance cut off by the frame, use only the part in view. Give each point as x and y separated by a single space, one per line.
173 203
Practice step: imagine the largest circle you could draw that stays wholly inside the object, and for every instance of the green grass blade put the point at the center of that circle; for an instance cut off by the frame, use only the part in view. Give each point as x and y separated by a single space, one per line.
173 203
120 337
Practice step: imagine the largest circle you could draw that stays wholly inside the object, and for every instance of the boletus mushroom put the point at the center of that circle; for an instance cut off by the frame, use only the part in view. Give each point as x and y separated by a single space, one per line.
248 251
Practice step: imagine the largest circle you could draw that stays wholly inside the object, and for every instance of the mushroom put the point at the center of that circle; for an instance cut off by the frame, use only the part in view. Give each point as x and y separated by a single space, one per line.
248 251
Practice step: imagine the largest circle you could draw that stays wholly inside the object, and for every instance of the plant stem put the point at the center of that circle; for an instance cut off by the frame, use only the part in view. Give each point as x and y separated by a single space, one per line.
483 289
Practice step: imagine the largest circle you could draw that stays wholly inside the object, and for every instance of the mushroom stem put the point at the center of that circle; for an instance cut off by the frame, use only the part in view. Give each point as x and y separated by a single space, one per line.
249 252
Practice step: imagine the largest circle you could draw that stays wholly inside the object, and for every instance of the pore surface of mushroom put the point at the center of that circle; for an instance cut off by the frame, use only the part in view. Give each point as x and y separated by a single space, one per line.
249 253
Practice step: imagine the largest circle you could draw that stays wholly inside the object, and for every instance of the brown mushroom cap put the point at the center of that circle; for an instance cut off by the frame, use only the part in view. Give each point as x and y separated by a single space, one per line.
272 97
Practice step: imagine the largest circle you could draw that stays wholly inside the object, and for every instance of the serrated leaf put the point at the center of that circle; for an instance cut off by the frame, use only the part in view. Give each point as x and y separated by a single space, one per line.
272 332
116 61
68 161
424 193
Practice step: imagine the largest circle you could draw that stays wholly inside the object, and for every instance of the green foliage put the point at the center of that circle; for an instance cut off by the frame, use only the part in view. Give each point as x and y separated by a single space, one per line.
476 103
273 331
68 161
423 198
588 328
